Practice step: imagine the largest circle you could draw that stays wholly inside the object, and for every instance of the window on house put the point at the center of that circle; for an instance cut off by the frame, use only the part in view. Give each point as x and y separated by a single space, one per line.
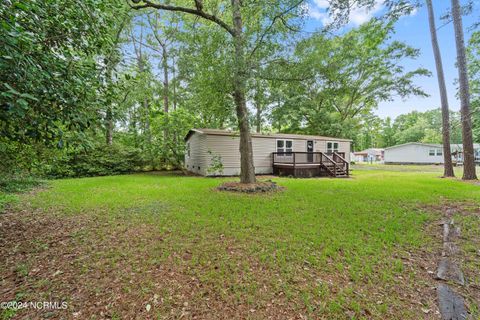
188 149
431 152
285 146
332 147
439 152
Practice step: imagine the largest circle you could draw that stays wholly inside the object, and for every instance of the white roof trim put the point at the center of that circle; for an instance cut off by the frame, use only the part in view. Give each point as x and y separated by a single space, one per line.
416 143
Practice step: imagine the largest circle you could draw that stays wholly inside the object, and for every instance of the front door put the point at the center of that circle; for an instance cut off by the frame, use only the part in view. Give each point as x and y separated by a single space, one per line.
310 150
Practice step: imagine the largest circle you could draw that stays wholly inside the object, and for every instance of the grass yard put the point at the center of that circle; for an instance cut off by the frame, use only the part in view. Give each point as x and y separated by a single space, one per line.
164 246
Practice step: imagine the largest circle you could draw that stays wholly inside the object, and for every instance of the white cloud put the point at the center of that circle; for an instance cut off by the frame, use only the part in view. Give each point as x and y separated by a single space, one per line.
362 15
323 4
318 11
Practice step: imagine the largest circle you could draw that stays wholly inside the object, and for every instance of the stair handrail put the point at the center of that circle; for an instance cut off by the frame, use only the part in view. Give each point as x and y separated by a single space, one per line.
334 164
347 165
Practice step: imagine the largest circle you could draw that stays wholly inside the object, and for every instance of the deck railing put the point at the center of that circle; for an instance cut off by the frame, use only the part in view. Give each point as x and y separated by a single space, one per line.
329 161
307 157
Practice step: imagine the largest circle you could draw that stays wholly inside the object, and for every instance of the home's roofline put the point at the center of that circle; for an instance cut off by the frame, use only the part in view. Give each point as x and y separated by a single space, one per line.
365 151
457 146
417 143
219 132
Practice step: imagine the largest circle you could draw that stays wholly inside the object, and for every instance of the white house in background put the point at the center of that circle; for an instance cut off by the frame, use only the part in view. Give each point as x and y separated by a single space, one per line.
289 154
369 155
424 153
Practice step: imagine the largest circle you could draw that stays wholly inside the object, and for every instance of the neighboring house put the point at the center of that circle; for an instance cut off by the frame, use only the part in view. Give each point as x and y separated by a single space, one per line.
424 153
289 154
369 155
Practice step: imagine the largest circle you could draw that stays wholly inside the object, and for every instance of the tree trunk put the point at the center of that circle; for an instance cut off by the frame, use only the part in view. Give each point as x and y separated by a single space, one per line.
174 85
165 78
468 151
247 170
109 106
133 123
258 117
146 111
447 154
165 101
109 126
258 107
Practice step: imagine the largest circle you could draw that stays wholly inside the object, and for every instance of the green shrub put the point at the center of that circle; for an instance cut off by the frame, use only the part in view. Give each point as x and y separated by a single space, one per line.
12 184
100 160
216 164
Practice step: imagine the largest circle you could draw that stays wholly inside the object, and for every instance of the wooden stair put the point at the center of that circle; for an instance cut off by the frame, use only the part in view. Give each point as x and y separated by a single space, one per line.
336 171
336 166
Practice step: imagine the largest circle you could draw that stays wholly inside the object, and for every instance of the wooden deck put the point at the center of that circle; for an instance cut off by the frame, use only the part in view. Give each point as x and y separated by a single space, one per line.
310 164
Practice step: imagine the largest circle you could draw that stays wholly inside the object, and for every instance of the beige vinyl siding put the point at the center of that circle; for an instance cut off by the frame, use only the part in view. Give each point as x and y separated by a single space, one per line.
344 146
320 146
228 148
197 162
299 145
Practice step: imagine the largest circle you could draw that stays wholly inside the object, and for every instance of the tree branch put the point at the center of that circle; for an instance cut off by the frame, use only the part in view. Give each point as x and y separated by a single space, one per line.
197 11
275 18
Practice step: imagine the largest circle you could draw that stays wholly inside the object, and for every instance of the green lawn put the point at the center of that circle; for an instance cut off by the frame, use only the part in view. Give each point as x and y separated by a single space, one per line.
165 246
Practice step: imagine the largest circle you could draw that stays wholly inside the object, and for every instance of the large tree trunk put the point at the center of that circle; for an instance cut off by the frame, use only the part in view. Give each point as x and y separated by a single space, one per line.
247 170
447 154
468 151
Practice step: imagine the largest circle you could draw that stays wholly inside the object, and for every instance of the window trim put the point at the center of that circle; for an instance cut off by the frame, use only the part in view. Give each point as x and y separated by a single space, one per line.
188 149
333 146
284 148
432 154
437 152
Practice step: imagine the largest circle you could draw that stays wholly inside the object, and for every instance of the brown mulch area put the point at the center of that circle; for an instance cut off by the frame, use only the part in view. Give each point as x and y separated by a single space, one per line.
258 187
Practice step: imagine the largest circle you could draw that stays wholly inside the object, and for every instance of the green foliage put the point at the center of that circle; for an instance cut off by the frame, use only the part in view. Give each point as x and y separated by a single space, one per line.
205 69
410 127
172 147
13 184
48 69
7 314
216 164
76 76
473 60
424 127
343 79
10 184
98 161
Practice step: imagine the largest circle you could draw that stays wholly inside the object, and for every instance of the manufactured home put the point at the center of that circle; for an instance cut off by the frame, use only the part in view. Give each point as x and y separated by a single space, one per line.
282 154
369 155
425 153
